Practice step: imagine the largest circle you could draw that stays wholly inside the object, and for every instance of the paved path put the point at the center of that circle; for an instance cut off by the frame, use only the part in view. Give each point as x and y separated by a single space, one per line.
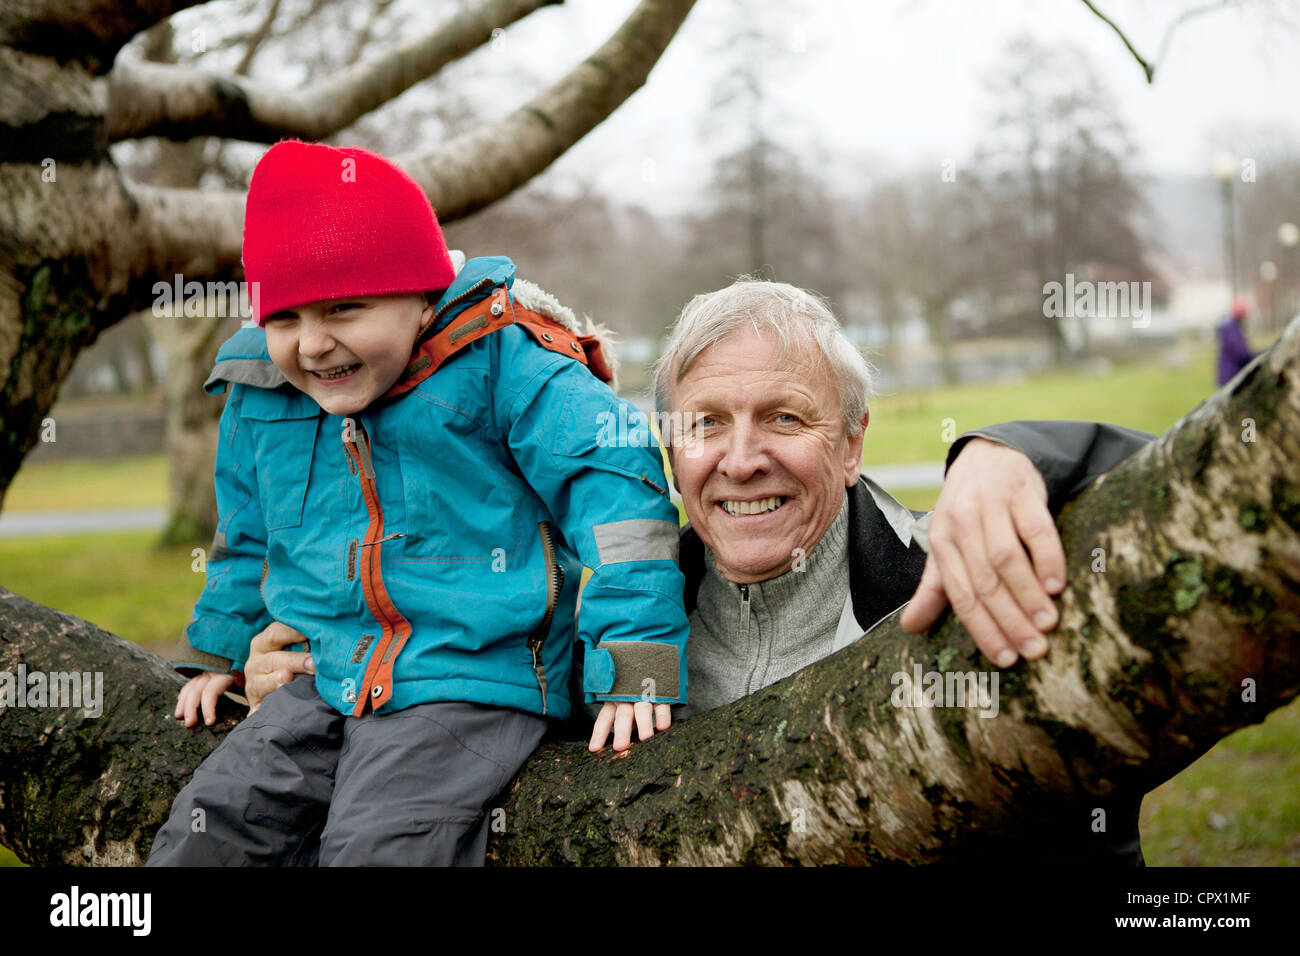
32 524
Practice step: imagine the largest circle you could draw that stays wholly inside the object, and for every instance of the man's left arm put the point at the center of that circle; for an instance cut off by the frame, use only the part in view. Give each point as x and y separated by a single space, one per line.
1069 455
994 550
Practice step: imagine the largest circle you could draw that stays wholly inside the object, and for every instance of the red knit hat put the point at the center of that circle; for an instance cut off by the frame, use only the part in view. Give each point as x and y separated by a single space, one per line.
325 223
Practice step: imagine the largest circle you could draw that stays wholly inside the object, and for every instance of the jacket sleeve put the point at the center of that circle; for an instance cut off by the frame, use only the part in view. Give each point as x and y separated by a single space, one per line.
1068 454
230 611
593 461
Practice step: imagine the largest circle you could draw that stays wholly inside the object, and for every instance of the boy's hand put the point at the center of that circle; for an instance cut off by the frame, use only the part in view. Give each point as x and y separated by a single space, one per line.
200 694
620 714
269 666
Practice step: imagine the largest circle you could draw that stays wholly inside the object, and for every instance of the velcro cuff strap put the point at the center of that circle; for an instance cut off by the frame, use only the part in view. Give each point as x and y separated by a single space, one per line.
190 658
646 670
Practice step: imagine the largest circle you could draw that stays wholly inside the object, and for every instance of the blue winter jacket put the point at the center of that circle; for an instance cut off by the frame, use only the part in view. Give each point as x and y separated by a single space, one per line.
432 548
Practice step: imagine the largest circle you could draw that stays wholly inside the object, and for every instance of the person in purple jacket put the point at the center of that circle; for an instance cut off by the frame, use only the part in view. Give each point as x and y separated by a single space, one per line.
1234 352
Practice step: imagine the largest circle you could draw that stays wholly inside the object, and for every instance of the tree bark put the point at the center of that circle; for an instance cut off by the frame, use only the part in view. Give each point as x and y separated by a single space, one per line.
1189 630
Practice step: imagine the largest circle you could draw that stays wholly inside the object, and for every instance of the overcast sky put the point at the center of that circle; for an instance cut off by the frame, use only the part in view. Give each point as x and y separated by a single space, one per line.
886 84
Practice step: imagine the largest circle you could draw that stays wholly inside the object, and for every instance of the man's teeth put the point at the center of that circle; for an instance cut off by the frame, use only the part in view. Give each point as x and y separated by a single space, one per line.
338 372
737 508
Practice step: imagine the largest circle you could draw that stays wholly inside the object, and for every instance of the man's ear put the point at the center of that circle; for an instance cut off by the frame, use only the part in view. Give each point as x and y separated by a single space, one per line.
853 454
672 465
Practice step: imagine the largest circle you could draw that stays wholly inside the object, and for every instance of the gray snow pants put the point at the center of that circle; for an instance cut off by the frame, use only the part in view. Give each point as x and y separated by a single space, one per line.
299 784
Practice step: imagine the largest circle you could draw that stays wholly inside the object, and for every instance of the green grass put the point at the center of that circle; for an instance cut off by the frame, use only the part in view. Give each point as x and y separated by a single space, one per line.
139 482
910 427
116 580
1238 805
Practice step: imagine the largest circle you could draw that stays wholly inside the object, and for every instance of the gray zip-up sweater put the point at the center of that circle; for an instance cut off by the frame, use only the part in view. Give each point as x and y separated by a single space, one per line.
746 636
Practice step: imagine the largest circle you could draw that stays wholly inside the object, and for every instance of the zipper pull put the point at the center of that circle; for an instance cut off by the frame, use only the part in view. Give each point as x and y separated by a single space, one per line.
363 452
744 610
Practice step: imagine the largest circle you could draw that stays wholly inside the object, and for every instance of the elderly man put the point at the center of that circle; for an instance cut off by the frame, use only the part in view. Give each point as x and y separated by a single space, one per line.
791 553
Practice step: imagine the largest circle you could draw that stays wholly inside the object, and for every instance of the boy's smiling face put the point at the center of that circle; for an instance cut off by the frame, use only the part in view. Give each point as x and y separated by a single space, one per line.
345 353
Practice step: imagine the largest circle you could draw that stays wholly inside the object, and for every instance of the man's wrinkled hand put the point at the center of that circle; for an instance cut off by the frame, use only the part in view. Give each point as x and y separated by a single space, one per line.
620 715
990 523
270 666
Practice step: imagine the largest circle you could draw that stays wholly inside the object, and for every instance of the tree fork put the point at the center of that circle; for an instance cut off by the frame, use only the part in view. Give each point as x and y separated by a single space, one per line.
1185 627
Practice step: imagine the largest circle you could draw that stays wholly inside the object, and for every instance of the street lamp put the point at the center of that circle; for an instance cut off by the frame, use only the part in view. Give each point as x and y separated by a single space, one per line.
1288 235
1224 166
1268 275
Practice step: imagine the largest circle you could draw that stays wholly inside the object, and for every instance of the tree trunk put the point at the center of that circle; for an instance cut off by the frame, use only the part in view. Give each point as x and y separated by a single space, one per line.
1181 623
936 319
190 428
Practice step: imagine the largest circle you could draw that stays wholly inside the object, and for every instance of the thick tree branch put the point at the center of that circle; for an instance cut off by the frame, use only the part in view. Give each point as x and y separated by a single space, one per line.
180 102
86 31
461 177
487 163
1200 593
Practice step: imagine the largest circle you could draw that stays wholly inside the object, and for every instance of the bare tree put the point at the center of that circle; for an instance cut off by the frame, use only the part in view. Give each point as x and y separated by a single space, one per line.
81 246
1059 155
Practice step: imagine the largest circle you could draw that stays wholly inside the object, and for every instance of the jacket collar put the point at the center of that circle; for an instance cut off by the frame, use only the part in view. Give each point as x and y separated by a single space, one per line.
885 559
476 280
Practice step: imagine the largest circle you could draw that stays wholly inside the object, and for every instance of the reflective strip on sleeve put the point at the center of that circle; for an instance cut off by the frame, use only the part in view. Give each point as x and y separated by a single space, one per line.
639 539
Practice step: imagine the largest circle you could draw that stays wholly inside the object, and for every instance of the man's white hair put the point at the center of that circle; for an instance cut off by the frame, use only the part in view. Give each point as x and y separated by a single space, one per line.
798 318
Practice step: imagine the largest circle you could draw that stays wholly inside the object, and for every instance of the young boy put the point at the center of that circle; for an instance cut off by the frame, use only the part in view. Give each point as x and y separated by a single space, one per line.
409 474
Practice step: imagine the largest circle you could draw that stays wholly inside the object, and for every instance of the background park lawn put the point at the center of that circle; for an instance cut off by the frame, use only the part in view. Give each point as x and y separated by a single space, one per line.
1238 805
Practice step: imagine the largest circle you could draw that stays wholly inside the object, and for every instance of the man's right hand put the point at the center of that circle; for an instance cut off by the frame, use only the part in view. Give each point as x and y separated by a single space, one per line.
270 666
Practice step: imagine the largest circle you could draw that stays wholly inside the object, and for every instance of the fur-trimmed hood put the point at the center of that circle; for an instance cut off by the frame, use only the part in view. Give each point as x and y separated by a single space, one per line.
533 297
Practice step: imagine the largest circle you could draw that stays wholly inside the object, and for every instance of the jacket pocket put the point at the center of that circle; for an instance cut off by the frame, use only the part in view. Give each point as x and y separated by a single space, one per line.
463 505
284 429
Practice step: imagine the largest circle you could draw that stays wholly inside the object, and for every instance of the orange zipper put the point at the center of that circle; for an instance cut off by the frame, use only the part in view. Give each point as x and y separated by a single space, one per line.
376 687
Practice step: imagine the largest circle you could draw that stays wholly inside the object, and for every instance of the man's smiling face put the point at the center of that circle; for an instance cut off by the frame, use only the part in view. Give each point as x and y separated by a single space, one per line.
345 353
763 465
